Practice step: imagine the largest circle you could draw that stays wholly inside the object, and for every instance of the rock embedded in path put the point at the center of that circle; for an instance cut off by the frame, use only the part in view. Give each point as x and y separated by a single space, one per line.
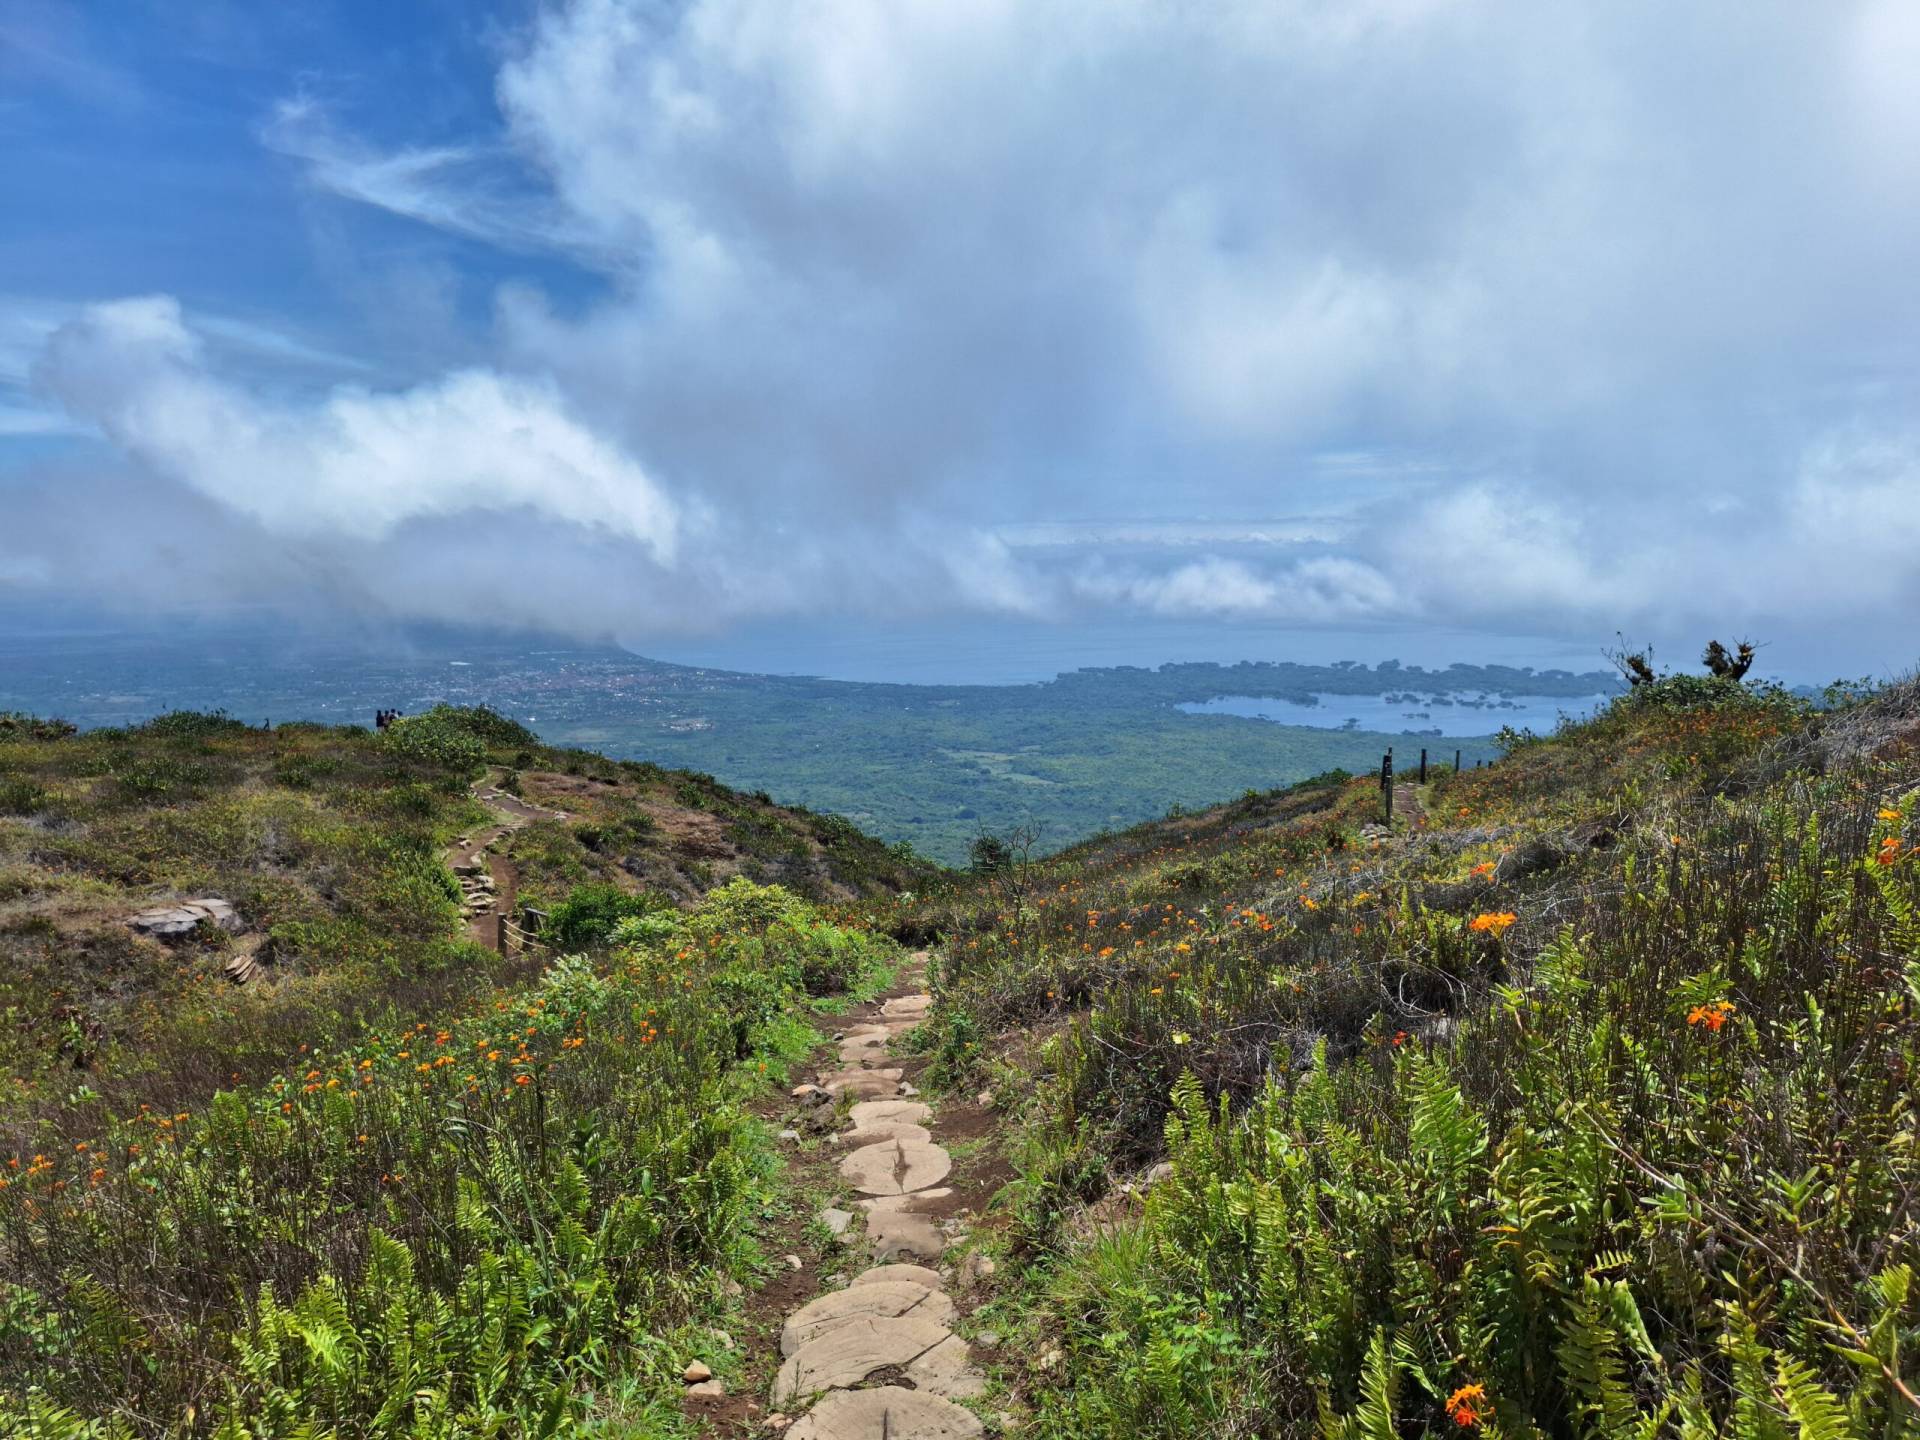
947 1369
868 1111
896 1167
894 1235
914 1202
867 1084
883 1300
881 1130
848 1354
886 1410
917 1274
907 1006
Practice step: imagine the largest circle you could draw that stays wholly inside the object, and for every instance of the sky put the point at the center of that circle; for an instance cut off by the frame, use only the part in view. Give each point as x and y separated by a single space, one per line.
678 323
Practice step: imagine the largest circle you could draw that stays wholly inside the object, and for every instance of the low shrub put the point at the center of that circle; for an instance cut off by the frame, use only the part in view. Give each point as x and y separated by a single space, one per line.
590 914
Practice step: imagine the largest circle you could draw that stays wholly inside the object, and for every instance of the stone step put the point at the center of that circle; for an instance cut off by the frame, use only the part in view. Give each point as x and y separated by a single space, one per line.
882 1300
917 1274
896 1235
933 1357
878 1130
867 1084
887 1410
896 1167
868 1111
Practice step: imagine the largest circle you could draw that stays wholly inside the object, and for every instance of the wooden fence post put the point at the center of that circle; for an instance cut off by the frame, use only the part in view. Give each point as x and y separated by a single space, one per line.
1423 764
1456 762
500 927
1386 785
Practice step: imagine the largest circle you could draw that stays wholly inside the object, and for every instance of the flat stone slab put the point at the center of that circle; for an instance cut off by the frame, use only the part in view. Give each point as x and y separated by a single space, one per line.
903 1007
847 1354
881 1027
171 922
917 1274
879 1130
882 1300
902 1204
892 1072
894 1235
868 1111
886 1410
896 1167
868 1084
947 1369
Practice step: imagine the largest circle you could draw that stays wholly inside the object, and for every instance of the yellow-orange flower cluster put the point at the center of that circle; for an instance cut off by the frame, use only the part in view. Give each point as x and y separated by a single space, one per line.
1467 1404
1492 923
1712 1016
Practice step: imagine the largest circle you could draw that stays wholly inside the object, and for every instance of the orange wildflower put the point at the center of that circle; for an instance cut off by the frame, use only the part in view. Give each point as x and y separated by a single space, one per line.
1467 1404
1712 1016
1492 923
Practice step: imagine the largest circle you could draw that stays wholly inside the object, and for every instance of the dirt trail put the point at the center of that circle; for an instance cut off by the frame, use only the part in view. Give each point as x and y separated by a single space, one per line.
1407 805
878 1356
489 885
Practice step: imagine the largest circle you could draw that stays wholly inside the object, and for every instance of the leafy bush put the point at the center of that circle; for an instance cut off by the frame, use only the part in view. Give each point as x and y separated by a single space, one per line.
590 914
490 727
190 725
436 738
18 725
21 797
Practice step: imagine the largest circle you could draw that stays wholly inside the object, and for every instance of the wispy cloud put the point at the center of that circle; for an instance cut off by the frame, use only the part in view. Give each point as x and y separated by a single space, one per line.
480 191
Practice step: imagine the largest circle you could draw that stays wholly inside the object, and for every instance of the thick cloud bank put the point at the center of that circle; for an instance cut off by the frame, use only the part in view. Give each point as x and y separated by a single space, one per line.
1503 313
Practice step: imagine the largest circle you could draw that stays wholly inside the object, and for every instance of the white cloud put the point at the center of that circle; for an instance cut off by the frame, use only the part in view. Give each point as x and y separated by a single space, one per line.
357 465
1317 591
1539 316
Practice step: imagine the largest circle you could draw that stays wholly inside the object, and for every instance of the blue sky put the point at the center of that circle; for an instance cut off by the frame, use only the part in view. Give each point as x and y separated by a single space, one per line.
681 322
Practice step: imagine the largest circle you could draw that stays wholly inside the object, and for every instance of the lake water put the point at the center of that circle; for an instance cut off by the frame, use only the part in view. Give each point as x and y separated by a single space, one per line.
1460 713
960 651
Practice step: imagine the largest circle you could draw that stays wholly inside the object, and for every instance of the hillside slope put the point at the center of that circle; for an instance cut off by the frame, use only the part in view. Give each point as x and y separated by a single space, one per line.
332 846
1579 1102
